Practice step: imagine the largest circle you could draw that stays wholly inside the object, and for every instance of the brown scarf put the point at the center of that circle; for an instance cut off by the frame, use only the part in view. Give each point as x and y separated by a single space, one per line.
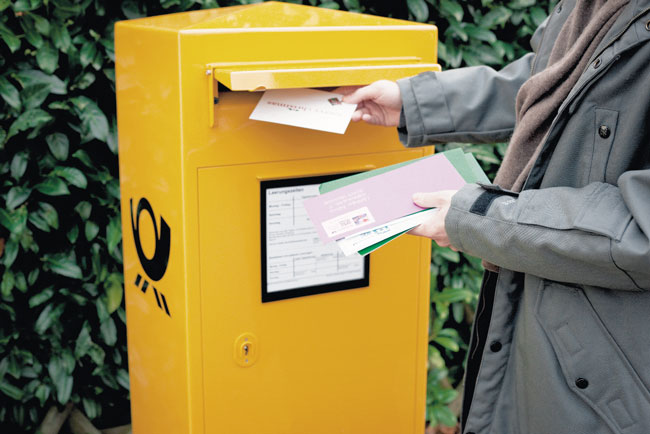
540 97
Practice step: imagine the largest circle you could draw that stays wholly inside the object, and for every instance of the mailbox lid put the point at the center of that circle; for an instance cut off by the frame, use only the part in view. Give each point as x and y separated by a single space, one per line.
316 74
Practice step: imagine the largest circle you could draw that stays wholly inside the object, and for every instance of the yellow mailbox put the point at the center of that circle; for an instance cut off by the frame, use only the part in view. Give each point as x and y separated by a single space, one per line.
238 323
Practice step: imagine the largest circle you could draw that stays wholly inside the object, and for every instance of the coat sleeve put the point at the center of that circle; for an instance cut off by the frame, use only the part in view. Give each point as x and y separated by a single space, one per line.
473 105
596 235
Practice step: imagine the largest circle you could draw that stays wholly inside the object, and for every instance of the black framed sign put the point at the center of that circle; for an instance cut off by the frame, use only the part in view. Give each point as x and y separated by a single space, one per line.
295 262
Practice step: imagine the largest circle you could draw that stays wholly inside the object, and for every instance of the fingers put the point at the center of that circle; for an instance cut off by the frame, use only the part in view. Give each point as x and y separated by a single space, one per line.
435 231
367 113
359 113
439 199
346 90
365 93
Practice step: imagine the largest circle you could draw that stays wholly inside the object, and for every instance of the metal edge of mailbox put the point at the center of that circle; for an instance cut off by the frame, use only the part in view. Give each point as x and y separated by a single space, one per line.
315 77
386 27
261 79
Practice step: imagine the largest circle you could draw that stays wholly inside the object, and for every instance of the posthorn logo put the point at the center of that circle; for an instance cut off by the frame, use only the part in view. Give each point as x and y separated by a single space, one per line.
156 266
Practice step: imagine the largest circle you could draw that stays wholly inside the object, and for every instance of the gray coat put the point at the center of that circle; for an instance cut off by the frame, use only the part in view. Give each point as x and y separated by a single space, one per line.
560 343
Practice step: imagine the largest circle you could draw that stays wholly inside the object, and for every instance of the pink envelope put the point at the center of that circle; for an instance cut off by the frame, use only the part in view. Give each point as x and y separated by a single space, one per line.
379 199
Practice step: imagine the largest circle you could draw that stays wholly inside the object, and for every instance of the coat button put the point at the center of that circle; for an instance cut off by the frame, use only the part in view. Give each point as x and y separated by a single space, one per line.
597 63
495 346
647 26
559 9
582 383
604 131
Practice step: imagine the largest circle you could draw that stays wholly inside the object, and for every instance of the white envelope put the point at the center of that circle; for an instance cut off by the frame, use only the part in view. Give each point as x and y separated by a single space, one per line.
305 108
352 244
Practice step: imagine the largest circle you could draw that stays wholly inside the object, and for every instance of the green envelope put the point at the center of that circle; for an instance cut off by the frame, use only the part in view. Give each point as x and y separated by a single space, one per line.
455 156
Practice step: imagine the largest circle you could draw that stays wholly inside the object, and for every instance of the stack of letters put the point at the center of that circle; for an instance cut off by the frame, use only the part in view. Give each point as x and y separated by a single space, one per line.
362 212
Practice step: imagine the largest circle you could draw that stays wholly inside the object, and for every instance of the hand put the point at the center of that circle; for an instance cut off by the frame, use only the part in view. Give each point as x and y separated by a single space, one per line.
379 103
434 228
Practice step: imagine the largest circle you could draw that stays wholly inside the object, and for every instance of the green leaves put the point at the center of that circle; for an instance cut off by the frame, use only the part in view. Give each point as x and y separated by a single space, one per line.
25 5
61 37
59 145
7 284
113 233
41 297
14 221
10 390
123 378
60 369
92 408
48 316
47 58
73 175
42 393
87 53
53 186
108 331
93 121
84 342
65 265
45 218
419 9
10 39
60 294
33 118
91 229
452 295
480 33
496 17
30 77
16 196
114 291
440 414
10 94
18 165
452 9
34 95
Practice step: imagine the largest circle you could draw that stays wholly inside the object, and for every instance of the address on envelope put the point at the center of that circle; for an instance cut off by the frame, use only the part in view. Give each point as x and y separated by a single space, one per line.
345 222
305 108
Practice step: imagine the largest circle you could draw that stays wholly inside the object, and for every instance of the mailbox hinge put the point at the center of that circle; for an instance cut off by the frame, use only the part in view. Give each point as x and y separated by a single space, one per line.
213 94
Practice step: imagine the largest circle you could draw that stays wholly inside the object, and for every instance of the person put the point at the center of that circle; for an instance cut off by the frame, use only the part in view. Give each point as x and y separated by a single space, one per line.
559 342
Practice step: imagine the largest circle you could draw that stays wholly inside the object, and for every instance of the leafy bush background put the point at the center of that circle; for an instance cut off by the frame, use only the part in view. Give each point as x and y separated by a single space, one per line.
62 319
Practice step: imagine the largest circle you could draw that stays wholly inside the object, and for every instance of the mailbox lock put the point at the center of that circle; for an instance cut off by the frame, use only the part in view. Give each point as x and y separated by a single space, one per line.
246 350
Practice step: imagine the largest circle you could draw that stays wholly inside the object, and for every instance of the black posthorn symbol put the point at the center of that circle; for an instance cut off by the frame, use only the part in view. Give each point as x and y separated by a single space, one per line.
159 295
157 265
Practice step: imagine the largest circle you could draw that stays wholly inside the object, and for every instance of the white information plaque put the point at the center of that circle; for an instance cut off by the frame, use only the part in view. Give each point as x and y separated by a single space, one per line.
294 261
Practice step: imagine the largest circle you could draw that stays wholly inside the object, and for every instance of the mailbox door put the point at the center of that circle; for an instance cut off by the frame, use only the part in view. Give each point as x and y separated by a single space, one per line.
346 361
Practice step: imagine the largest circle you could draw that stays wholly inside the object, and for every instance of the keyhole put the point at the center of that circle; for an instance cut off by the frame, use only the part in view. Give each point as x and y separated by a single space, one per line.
246 350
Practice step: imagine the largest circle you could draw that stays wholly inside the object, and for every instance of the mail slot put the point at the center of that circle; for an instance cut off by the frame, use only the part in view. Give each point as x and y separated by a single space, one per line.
239 323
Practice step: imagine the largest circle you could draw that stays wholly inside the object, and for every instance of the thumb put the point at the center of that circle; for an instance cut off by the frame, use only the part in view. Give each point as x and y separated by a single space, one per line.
362 94
431 200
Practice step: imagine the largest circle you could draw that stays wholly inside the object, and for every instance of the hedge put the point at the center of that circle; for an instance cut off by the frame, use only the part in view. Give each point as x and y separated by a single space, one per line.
62 318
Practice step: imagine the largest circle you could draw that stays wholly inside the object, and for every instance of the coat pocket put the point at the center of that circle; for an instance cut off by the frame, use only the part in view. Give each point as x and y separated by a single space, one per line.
594 367
605 126
596 208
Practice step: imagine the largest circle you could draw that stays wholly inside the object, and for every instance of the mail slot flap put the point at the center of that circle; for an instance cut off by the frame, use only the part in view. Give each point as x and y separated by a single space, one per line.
333 76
